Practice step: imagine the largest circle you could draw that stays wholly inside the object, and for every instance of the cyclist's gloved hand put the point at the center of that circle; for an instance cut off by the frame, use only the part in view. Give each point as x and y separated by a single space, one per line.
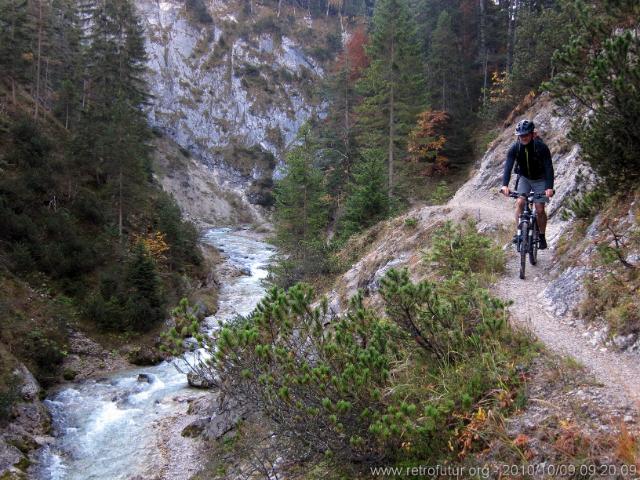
505 190
549 192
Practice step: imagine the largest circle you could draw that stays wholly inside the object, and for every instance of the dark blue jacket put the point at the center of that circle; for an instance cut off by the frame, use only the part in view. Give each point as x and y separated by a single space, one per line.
532 161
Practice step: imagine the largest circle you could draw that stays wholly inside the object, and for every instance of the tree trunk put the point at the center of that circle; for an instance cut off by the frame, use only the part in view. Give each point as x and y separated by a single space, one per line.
39 62
391 121
483 49
120 204
444 91
511 9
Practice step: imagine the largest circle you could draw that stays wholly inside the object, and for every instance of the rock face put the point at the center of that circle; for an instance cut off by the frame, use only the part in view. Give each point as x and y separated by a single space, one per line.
232 89
28 427
202 74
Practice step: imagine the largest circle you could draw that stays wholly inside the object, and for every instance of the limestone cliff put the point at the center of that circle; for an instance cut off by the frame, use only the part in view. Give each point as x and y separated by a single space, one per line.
232 85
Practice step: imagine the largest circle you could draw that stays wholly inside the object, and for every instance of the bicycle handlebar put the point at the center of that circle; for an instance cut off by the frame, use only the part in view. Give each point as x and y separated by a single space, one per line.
527 195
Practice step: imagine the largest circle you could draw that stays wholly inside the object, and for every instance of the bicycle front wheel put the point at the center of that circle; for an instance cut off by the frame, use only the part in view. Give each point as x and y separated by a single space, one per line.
533 245
524 247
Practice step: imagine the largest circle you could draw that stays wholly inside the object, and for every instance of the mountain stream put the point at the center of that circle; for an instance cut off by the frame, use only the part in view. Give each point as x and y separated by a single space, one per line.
107 428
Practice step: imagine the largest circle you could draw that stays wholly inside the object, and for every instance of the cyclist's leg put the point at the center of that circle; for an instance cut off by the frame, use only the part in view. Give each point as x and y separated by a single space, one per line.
542 217
519 208
523 186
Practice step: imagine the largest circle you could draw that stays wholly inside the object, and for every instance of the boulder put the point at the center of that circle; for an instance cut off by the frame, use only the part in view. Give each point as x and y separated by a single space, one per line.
145 378
10 457
146 356
195 428
225 419
221 424
30 387
198 381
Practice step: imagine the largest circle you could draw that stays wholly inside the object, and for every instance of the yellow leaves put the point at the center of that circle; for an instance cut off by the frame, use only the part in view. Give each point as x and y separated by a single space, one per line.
498 86
155 244
471 432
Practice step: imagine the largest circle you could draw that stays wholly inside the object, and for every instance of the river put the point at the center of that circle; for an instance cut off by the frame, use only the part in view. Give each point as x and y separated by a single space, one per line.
107 428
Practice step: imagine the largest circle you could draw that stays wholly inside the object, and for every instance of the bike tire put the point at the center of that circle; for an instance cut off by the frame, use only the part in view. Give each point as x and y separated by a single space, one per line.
524 247
533 248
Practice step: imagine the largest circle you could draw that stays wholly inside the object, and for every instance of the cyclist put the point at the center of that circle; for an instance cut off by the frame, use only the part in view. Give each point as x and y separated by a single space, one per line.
535 173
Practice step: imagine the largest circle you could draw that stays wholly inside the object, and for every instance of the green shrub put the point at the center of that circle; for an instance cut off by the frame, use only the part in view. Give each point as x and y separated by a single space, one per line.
46 351
460 248
441 193
411 222
585 207
9 395
326 382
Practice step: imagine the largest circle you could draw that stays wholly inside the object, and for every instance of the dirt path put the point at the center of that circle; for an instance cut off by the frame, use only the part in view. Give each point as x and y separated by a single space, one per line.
619 372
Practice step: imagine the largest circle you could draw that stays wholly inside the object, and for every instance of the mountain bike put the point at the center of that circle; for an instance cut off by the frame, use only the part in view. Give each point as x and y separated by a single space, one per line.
528 235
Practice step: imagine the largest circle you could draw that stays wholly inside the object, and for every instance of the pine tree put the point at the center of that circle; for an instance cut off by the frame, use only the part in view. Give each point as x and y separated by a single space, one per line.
67 62
144 305
599 71
115 132
392 85
301 213
337 133
15 48
445 67
368 202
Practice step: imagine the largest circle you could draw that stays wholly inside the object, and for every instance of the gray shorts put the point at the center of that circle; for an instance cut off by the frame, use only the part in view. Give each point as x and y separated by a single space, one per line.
525 186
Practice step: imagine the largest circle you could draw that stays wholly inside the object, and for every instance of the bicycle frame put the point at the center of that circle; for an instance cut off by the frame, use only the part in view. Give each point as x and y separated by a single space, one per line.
528 230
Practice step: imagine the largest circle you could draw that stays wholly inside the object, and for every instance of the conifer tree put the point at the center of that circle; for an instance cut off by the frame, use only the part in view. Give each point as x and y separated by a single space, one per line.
392 85
301 213
15 48
368 202
445 66
337 133
143 297
599 71
67 65
116 132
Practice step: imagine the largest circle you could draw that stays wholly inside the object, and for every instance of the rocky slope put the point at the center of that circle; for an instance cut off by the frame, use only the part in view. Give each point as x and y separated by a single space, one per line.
232 86
545 301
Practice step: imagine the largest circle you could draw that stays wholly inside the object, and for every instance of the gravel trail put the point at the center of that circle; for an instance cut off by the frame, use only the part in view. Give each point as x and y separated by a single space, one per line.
619 372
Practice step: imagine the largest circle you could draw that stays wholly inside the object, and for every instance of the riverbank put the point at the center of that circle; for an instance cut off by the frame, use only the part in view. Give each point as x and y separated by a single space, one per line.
149 406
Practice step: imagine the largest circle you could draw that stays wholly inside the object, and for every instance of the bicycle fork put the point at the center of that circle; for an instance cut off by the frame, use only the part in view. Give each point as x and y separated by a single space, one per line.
521 241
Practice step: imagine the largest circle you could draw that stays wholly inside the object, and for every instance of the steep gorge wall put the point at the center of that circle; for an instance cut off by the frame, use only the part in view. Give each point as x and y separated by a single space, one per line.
232 87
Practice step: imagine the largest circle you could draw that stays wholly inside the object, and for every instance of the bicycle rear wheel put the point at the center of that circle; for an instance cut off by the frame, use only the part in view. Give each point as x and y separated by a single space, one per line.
533 247
524 247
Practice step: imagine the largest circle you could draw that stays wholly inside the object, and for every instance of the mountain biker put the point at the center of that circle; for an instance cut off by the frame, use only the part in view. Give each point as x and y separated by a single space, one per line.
535 173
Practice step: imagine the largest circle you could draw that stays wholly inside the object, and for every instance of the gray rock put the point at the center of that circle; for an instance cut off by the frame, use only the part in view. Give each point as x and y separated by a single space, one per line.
195 428
30 387
9 456
624 341
198 381
221 424
245 271
145 378
225 419
565 292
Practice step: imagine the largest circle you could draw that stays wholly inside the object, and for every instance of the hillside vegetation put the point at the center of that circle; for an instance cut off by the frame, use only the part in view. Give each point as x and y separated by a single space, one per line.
88 239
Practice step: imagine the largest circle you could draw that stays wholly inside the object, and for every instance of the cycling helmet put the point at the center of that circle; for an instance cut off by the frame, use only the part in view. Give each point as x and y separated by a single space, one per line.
524 127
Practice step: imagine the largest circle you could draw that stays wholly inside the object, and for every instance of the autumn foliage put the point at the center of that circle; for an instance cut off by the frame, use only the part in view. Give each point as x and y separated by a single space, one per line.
427 141
354 58
155 244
